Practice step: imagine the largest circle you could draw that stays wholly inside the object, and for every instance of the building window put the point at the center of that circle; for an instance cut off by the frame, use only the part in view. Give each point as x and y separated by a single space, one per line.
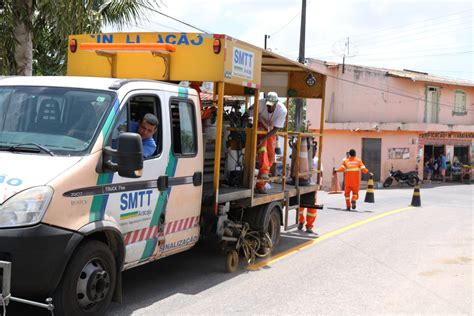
432 104
459 103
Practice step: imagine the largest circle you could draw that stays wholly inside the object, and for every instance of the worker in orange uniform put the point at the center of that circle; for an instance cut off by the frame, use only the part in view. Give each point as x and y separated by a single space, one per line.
352 167
308 200
271 118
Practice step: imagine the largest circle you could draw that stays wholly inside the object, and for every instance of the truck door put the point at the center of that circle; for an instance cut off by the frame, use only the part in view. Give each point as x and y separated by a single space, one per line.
137 205
182 182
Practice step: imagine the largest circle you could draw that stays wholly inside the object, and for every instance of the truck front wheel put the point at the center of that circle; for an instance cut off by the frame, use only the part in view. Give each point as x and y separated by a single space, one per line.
88 282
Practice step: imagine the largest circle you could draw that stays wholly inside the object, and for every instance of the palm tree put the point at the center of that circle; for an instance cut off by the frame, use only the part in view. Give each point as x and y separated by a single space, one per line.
34 33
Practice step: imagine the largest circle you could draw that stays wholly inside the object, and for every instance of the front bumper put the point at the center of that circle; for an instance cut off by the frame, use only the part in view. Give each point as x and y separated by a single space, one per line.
39 255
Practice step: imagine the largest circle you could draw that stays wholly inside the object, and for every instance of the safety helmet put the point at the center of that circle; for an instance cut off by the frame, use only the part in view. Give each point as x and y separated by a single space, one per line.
272 98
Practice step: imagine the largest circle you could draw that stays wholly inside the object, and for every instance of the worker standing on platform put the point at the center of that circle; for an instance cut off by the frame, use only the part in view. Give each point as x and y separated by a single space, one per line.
271 118
352 167
308 200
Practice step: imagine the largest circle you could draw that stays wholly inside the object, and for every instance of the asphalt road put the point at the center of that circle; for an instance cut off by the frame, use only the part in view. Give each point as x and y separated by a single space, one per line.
384 258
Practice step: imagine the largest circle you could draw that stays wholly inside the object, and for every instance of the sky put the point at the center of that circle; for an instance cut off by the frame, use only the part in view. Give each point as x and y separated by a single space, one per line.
436 37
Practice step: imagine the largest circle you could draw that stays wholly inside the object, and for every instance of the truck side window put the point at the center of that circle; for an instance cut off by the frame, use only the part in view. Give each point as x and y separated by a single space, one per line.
183 125
132 113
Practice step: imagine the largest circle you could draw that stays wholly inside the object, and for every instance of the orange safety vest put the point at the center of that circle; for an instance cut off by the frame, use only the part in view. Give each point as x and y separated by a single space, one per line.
352 167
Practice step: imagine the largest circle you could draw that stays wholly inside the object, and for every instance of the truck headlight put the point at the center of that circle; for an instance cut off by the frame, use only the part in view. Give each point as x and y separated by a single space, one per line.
26 207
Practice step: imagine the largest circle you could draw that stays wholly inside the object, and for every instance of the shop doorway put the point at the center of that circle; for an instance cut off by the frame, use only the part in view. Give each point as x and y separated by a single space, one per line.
371 156
431 151
462 154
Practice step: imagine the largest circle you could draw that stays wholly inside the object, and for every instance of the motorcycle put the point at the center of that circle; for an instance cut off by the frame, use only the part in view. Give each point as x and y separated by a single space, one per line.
410 178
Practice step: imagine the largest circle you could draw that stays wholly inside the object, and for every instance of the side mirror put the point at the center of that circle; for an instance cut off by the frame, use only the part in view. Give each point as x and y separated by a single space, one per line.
127 159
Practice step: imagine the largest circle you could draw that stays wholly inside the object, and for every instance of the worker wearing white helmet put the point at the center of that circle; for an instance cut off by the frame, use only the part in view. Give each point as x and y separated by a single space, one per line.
271 118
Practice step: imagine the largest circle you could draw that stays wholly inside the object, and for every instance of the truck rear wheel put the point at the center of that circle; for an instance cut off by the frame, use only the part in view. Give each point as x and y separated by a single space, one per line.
88 282
273 226
267 219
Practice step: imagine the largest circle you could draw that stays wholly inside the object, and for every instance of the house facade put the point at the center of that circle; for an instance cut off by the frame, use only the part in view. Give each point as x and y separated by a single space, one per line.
393 118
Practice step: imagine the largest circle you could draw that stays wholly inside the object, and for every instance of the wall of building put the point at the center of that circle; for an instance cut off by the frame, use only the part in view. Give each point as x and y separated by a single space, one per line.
446 115
365 95
361 95
337 143
393 112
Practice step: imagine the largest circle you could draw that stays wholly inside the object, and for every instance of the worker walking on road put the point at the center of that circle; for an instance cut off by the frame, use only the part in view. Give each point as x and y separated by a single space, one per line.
271 118
352 167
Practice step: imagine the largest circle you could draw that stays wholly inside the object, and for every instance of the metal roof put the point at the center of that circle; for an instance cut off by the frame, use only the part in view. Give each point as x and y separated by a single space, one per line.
418 76
409 74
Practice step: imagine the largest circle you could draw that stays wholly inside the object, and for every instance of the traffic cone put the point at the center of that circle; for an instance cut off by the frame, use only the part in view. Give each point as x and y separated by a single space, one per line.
369 195
303 163
335 186
416 199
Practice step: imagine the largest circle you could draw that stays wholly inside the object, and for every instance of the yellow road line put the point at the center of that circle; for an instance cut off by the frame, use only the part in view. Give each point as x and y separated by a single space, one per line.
309 243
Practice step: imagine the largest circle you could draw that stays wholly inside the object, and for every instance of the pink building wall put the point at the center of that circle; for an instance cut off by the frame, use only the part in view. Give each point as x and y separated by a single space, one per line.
361 95
337 143
367 103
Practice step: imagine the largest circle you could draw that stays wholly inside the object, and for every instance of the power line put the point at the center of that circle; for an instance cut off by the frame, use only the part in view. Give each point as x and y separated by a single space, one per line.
298 14
416 35
404 38
418 22
291 20
166 26
419 28
175 19
421 56
380 52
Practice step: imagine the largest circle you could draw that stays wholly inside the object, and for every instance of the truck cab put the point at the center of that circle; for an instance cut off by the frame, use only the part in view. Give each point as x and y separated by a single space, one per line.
60 150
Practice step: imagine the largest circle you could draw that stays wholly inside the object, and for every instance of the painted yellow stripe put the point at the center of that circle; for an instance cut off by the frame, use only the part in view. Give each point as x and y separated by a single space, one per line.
309 243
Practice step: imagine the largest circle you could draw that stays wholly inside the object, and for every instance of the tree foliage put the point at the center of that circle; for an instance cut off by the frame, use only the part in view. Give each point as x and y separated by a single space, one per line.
52 21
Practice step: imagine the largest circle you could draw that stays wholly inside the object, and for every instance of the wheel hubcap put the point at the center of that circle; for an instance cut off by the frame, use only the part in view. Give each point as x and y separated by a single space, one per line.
93 284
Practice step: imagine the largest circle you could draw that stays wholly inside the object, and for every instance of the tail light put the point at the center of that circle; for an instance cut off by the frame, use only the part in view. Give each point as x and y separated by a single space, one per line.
217 46
73 45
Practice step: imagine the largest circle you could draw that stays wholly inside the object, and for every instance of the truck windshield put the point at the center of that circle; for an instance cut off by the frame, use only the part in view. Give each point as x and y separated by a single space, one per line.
47 120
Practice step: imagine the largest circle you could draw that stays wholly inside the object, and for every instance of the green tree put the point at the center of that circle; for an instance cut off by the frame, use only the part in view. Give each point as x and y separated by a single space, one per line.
34 33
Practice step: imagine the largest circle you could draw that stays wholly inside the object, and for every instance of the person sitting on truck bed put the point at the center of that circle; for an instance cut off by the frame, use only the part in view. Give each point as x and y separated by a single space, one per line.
146 127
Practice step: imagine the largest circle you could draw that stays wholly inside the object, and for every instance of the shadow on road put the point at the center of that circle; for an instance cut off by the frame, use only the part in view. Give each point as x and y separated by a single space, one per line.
188 273
349 211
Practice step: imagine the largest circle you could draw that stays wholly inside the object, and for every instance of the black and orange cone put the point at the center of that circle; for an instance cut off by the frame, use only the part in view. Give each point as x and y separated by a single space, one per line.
416 199
335 186
369 195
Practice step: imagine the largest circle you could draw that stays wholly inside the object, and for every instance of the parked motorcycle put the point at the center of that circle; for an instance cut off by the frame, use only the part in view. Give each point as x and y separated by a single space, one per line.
409 178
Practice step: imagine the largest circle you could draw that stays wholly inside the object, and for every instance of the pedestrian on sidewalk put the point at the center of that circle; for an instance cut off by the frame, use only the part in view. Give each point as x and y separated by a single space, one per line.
352 168
443 167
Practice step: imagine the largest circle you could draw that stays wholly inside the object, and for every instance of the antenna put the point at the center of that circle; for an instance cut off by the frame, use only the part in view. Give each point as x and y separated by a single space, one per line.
344 48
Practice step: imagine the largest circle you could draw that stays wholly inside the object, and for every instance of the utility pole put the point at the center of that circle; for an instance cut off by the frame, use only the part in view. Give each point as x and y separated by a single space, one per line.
265 45
301 59
346 49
